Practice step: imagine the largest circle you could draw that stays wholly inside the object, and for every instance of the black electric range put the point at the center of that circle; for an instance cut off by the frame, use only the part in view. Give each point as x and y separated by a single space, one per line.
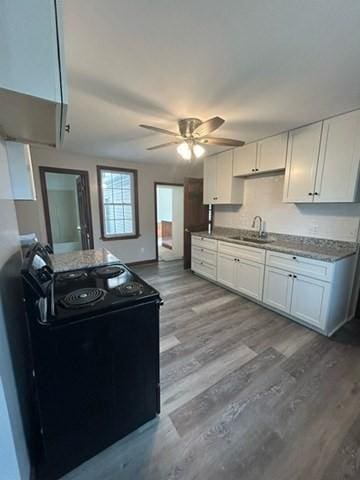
94 337
78 293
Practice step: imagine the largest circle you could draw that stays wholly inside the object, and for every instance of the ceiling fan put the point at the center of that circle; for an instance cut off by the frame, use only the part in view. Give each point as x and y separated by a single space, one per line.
193 134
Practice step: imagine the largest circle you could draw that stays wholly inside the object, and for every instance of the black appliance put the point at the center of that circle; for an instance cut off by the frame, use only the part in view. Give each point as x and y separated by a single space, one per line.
94 336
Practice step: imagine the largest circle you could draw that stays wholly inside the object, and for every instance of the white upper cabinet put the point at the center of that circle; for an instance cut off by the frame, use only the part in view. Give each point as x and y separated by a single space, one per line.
301 163
20 169
323 161
245 159
267 155
210 167
220 187
338 168
33 90
271 153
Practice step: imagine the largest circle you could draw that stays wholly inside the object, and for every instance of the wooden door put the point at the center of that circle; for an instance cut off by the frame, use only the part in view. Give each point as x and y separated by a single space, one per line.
245 160
226 270
209 180
85 233
196 214
250 278
310 300
271 153
301 163
278 289
338 169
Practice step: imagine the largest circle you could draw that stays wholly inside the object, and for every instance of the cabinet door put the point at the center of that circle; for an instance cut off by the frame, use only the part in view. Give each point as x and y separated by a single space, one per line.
310 300
250 278
30 63
224 177
226 270
337 176
210 180
271 153
245 160
301 163
21 172
278 289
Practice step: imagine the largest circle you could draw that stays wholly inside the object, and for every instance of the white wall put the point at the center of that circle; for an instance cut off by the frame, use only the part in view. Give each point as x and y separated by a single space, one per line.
14 461
178 221
263 197
164 204
131 250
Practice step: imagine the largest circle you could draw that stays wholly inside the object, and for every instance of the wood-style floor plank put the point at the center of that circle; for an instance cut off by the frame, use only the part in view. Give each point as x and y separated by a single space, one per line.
246 394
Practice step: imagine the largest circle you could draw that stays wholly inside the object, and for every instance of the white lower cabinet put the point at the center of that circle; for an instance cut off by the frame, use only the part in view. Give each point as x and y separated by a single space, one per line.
314 292
278 286
203 268
302 297
310 300
226 270
241 275
250 278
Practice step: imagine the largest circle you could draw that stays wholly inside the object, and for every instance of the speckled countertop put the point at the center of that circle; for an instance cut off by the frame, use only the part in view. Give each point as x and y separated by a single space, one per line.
316 248
82 259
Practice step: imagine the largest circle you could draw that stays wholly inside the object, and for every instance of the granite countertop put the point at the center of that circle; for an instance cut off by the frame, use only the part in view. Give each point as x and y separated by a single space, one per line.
63 262
316 248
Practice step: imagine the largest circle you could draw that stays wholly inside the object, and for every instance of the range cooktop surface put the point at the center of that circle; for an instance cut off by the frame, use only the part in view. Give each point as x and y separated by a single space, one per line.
79 293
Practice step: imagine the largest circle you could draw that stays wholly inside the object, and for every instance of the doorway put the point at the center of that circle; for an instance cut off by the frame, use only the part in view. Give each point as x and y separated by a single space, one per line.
169 221
67 209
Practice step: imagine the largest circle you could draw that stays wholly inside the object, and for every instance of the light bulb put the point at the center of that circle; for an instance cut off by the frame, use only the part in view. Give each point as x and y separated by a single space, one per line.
198 150
184 150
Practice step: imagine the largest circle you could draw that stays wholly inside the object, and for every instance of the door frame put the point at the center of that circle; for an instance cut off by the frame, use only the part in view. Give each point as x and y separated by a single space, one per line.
85 176
159 184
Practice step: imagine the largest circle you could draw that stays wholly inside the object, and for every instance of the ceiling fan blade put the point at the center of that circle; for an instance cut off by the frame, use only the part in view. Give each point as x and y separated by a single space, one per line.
228 142
209 126
163 145
159 130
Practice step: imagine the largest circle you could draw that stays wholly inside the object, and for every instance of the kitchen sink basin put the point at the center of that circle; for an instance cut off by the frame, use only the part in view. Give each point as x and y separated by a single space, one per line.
253 240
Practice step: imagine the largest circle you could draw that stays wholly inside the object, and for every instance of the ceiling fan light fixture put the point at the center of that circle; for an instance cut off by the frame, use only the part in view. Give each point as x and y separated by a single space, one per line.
184 151
198 150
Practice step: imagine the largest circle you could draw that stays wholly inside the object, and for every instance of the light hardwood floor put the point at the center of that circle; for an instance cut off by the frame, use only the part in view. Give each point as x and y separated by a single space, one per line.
246 394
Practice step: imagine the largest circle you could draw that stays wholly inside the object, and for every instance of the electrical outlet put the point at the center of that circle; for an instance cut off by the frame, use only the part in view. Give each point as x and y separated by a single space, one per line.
142 249
314 229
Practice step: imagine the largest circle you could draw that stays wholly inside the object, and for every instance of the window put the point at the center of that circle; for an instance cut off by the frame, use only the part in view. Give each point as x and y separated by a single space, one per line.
118 203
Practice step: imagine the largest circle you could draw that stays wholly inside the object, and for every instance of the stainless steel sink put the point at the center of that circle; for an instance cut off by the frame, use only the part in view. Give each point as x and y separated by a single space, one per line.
253 240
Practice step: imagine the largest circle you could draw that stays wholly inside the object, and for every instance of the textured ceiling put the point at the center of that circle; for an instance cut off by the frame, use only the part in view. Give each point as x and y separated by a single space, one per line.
265 66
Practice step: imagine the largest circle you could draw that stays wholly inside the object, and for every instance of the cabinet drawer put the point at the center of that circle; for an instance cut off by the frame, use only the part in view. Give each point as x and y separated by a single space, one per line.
203 268
241 251
204 242
305 266
200 253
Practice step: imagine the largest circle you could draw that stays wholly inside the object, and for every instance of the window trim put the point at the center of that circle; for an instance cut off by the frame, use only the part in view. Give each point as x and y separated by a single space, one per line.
99 169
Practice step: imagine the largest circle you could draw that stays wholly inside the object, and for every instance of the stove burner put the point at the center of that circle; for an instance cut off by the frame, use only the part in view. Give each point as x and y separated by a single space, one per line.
83 297
130 289
76 275
108 271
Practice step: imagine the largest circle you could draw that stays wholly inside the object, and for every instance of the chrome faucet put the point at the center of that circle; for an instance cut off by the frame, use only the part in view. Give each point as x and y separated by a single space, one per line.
262 234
